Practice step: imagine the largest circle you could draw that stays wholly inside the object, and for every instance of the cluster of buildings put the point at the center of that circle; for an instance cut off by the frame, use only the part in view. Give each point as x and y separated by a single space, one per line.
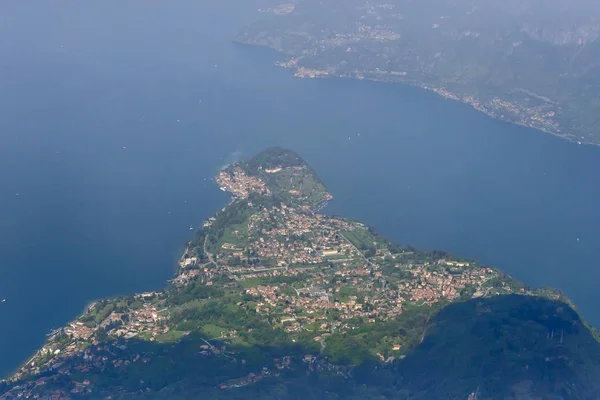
281 9
77 360
245 380
310 307
364 294
447 279
185 275
280 364
288 236
73 341
74 361
320 283
239 183
538 117
377 32
352 289
146 321
78 330
29 391
303 72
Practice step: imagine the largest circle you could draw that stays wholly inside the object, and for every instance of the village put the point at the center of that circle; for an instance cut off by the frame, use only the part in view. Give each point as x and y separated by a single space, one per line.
304 271
240 184
361 295
288 236
335 286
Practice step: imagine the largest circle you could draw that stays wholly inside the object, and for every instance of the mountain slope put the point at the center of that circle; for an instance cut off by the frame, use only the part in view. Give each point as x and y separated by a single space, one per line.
507 347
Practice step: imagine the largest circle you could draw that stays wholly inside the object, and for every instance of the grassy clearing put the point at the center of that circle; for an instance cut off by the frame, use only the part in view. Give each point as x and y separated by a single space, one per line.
252 282
170 337
361 238
213 331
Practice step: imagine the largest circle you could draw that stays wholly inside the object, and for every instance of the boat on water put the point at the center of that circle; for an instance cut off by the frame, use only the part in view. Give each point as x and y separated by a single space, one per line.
3 300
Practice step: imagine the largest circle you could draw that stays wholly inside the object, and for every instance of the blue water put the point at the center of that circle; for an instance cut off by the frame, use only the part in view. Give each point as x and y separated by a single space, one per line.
114 116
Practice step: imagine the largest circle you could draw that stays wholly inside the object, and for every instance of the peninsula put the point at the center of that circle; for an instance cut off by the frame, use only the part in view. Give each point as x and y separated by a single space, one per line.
275 300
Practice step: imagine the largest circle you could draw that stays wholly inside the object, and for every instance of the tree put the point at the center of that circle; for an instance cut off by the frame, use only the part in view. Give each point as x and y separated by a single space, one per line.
101 335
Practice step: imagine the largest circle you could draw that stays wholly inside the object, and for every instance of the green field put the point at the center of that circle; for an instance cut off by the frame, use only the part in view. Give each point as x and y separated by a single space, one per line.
213 331
171 336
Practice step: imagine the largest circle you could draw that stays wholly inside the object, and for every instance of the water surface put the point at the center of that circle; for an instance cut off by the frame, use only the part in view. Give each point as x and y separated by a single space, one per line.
114 117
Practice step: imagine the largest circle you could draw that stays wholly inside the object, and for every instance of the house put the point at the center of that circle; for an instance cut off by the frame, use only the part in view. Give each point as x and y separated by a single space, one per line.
330 252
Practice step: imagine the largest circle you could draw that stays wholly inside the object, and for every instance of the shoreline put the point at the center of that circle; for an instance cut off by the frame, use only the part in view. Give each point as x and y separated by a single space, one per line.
470 270
484 107
447 95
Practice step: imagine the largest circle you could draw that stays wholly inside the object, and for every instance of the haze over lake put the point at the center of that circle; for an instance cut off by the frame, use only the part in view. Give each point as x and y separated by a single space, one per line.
116 115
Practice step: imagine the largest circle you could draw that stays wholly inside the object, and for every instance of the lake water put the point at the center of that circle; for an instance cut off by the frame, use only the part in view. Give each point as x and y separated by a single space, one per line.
114 116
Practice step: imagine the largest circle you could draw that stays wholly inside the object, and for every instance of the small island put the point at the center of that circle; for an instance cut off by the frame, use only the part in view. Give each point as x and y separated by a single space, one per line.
273 299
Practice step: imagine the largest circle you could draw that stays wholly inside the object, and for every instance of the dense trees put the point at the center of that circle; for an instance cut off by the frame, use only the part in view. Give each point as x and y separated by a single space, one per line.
195 290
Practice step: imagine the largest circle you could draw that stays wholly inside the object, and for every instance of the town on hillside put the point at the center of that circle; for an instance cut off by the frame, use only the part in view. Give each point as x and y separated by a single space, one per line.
271 265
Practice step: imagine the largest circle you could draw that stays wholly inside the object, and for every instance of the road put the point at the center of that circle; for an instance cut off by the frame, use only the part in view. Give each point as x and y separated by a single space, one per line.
358 251
209 255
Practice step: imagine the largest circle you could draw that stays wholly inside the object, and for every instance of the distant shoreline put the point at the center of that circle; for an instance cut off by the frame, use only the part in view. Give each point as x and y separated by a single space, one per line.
305 73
